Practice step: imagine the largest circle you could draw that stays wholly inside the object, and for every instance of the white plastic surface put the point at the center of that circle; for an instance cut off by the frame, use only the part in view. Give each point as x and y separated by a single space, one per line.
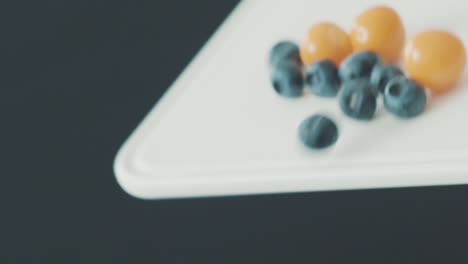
222 130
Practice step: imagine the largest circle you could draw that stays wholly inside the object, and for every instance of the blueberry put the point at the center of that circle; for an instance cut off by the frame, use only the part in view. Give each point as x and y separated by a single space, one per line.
358 65
382 74
322 78
284 51
287 80
404 97
358 99
318 132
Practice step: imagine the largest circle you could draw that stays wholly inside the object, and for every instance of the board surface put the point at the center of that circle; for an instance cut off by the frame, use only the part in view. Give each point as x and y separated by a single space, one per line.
222 130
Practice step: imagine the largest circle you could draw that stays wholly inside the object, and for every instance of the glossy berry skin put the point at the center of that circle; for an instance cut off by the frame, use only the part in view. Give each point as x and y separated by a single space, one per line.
325 41
287 79
358 65
358 99
318 132
382 74
322 78
284 52
404 97
379 29
436 59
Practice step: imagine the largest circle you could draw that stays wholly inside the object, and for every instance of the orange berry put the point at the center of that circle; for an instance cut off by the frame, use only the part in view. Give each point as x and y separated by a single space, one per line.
436 59
325 41
379 29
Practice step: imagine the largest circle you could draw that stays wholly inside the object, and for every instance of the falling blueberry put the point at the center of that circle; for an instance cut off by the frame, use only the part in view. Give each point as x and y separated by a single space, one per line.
358 99
287 80
318 132
284 52
322 78
382 74
358 65
404 97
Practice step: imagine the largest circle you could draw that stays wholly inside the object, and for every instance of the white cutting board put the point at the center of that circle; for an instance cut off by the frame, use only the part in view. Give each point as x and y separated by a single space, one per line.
222 130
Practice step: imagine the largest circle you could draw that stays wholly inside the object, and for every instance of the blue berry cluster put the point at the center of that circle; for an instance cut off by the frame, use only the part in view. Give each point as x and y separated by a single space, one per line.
286 69
357 82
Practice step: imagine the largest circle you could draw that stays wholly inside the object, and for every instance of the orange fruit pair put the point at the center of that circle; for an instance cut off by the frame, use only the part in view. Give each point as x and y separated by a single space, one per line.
378 29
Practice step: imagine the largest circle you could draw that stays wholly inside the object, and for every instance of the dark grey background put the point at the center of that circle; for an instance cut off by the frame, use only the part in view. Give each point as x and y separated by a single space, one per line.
78 76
